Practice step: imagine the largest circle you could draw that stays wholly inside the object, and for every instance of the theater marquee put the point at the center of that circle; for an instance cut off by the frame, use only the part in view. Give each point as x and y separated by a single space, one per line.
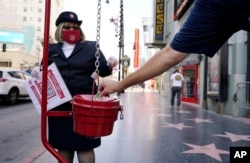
159 19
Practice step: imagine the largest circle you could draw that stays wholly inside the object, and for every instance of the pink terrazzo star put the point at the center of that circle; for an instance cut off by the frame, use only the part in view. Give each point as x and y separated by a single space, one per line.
234 137
183 112
199 120
164 115
179 126
209 150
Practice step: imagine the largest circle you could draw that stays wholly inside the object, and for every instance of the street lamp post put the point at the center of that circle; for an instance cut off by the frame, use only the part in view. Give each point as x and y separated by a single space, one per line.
121 40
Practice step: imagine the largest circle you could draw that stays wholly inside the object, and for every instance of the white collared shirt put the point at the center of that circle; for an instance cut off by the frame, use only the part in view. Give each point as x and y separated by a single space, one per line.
67 49
176 80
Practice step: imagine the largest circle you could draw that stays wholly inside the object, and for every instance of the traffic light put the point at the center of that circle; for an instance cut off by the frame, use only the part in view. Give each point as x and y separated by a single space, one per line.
4 47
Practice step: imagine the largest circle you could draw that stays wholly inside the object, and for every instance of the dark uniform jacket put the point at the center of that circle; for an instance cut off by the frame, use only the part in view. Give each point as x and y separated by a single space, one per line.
76 70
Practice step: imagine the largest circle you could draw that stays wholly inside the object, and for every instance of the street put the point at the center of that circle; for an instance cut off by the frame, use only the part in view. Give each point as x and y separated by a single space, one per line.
19 132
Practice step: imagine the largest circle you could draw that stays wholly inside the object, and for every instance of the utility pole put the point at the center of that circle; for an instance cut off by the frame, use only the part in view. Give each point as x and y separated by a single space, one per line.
120 21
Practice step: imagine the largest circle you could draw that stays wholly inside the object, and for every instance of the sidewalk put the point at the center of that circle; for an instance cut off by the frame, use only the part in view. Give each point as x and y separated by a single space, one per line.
154 132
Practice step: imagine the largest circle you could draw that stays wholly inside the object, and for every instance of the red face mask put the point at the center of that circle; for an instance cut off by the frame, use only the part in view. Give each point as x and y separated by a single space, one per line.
71 36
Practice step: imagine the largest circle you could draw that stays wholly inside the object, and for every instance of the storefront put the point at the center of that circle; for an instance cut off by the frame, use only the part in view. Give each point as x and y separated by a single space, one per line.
189 92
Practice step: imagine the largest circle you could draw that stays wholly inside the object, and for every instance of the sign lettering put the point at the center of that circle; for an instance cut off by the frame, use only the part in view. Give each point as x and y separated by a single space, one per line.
136 53
159 20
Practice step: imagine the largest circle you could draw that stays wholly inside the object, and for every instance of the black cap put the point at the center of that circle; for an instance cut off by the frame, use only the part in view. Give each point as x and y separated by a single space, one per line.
68 16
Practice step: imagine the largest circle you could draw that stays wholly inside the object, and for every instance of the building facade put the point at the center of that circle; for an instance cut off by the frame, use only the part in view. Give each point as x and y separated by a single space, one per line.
22 30
209 82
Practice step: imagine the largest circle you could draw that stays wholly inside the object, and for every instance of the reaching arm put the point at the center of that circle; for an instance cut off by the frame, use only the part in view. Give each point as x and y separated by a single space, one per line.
159 63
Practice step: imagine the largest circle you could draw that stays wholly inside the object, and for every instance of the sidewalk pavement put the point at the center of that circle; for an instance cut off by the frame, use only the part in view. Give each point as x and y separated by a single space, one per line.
153 131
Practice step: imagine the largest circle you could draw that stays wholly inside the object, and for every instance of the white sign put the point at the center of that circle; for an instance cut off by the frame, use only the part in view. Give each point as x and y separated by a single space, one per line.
57 92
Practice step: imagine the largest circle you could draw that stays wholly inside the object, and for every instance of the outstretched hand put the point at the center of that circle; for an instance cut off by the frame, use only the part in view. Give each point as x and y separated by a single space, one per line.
107 87
36 73
112 61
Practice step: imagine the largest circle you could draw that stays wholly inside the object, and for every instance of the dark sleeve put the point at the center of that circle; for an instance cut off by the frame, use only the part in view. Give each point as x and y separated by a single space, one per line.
50 52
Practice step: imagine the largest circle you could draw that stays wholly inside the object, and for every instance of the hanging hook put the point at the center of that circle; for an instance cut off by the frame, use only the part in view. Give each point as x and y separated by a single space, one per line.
107 1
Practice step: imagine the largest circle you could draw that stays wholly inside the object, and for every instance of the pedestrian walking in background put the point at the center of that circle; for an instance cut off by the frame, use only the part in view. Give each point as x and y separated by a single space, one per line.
176 84
152 85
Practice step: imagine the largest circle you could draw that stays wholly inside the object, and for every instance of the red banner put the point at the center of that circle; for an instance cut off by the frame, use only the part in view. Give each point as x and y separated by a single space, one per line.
136 48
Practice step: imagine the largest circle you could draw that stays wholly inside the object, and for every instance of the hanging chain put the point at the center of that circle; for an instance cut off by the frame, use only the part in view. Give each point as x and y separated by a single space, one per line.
121 34
95 74
98 29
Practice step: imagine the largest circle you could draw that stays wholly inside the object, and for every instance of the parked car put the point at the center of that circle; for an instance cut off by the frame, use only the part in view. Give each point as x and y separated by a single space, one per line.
12 84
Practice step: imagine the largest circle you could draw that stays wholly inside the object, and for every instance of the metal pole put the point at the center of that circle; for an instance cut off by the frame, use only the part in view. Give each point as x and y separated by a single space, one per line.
119 65
204 103
44 85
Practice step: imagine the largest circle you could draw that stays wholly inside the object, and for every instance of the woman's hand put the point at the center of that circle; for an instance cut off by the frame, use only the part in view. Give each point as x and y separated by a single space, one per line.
112 61
36 73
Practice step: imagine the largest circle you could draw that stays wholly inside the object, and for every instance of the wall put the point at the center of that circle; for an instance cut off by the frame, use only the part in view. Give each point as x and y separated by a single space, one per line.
18 59
237 69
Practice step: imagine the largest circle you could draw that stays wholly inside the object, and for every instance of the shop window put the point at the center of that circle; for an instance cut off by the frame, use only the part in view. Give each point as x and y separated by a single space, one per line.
213 75
39 19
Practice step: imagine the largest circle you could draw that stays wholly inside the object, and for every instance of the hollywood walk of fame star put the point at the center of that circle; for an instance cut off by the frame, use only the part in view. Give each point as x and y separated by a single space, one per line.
179 126
164 115
209 150
183 112
199 120
234 137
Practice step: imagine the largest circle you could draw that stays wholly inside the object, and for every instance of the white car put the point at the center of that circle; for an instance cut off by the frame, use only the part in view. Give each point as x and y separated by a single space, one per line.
12 84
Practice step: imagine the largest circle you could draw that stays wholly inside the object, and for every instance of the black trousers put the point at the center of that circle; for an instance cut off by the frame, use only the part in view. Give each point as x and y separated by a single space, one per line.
176 91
